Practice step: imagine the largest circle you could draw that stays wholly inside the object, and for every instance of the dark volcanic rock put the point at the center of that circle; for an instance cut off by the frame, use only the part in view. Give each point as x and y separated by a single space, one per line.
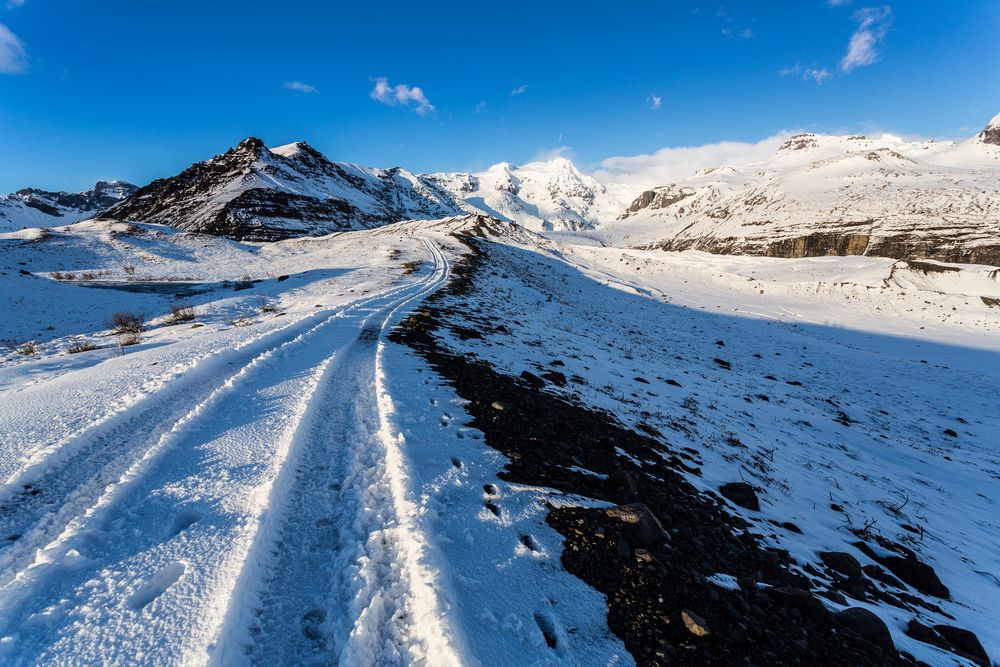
639 525
966 642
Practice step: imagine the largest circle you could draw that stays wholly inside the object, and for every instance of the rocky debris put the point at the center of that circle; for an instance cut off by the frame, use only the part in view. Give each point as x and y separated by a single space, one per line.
695 624
742 494
546 437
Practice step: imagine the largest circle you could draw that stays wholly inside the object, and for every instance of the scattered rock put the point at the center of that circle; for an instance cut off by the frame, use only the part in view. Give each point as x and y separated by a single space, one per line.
788 525
555 377
723 363
500 406
741 494
640 525
695 624
950 433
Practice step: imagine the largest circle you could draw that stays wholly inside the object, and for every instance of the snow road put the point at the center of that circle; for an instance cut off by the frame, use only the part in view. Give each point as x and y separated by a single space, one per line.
174 531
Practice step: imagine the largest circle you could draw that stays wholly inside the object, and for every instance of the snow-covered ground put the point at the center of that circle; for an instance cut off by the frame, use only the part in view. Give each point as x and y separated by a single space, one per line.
283 485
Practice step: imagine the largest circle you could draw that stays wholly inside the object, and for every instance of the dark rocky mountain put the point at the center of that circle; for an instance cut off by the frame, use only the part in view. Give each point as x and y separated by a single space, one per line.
251 192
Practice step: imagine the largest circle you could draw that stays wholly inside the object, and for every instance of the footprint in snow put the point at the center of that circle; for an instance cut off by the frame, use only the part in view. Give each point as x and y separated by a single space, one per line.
157 585
185 518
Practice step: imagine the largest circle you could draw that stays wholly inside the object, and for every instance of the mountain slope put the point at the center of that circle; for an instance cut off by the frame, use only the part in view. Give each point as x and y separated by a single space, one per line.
821 195
31 207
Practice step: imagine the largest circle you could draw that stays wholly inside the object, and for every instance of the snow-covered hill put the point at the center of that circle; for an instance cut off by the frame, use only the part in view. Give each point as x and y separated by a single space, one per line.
546 195
38 208
846 195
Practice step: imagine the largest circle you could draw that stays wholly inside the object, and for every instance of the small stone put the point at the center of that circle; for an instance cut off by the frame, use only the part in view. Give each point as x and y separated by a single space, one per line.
695 624
500 406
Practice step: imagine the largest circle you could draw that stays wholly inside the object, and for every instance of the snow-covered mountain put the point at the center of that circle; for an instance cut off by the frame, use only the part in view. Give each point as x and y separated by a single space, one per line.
845 195
252 192
548 195
38 208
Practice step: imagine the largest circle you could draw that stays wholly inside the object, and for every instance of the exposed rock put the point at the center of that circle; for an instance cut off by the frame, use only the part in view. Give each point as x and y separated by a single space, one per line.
639 525
695 624
804 601
741 494
842 562
868 625
919 575
966 642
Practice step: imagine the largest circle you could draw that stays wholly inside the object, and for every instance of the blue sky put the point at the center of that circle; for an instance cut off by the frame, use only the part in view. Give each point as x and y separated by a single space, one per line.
139 90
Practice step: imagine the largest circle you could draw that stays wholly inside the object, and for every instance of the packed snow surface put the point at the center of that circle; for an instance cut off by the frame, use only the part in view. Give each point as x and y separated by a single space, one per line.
276 482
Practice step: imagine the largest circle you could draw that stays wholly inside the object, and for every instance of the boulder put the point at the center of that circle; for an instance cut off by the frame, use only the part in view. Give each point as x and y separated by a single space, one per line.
640 527
842 562
919 575
741 494
869 626
966 642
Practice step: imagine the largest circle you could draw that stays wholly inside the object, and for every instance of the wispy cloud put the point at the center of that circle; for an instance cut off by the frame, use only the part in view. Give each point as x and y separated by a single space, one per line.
817 74
13 4
655 102
480 107
668 165
865 45
13 57
742 33
839 3
401 95
520 90
299 87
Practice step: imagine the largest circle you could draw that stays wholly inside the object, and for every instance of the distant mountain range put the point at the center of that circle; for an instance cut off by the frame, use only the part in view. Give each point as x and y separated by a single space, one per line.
39 208
817 195
844 195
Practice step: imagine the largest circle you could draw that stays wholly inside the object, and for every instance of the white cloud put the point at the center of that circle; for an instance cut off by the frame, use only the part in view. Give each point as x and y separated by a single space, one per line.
839 3
655 102
817 74
668 165
520 90
12 4
13 58
863 49
299 87
547 154
401 95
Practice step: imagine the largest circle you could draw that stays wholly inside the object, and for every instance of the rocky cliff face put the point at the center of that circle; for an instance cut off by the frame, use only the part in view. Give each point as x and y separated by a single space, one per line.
822 195
32 207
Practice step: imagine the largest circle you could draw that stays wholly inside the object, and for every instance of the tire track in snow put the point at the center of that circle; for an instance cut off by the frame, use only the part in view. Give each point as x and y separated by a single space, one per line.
54 492
335 574
168 523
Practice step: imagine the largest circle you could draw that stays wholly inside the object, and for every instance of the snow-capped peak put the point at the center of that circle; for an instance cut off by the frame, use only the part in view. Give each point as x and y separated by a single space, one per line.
991 133
288 150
